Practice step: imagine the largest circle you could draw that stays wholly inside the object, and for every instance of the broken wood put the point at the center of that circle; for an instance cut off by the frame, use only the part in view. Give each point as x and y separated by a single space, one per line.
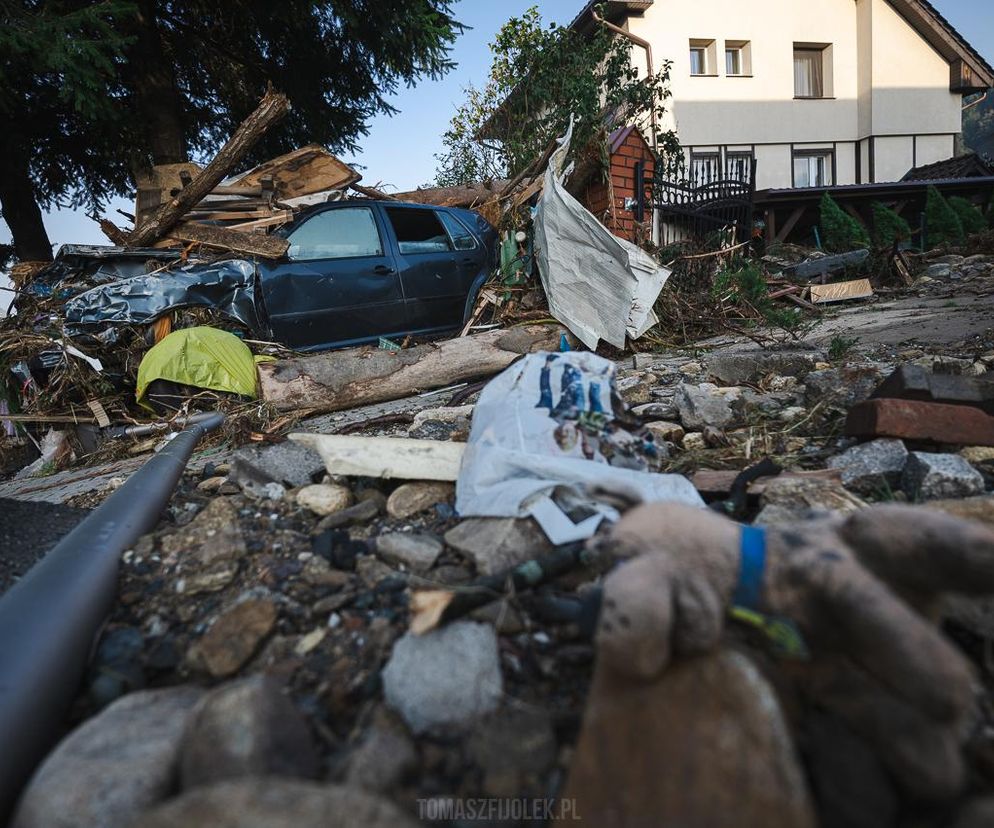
254 244
372 192
308 170
113 232
399 458
463 195
272 108
282 217
360 376
718 483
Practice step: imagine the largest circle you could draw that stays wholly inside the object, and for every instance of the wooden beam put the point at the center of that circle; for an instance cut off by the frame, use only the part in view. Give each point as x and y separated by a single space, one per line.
789 225
398 458
272 108
255 244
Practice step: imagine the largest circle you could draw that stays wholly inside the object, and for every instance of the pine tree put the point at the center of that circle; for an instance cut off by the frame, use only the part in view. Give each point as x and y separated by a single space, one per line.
943 225
840 231
888 227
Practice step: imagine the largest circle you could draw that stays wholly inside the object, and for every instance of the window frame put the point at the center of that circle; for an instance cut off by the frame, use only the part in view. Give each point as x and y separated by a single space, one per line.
827 153
823 51
470 233
743 49
707 46
337 209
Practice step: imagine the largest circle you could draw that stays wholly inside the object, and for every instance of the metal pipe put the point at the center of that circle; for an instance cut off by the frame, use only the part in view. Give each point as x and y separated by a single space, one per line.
645 44
49 620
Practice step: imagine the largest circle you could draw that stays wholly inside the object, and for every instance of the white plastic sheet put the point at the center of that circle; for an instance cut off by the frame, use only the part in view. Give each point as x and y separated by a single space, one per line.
598 285
545 439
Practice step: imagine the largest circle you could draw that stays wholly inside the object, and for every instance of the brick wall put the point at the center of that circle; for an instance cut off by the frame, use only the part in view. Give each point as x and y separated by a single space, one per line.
625 155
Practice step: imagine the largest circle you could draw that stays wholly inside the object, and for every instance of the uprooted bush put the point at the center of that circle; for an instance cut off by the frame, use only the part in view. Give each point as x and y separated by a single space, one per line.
943 224
970 217
840 231
888 227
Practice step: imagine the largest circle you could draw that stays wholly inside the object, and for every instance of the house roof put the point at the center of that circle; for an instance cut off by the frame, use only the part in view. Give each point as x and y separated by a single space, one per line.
960 166
970 71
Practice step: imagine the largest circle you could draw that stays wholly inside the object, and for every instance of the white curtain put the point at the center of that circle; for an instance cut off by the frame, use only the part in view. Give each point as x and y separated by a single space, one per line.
808 73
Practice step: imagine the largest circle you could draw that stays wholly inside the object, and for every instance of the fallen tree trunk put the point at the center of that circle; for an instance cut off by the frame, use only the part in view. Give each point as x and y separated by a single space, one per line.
272 107
359 376
462 195
257 244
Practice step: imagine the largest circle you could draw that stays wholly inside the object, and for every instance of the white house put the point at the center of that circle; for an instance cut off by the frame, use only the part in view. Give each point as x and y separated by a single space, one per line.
818 92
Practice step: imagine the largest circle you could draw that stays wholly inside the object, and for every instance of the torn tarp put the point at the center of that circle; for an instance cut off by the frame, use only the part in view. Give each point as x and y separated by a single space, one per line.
227 287
598 285
546 442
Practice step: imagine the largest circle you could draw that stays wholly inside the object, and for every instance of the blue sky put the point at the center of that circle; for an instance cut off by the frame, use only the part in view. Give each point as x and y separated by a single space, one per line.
399 151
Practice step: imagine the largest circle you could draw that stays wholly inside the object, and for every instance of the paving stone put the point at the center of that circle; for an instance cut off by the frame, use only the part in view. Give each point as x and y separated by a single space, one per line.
246 728
113 766
922 421
930 476
912 382
273 802
496 544
872 467
410 499
415 550
450 676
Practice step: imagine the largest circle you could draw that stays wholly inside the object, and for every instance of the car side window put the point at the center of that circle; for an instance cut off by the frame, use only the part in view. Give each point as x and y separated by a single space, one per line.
343 233
461 237
418 231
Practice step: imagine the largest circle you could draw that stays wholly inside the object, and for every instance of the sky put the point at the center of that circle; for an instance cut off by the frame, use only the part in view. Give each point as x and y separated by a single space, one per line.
399 152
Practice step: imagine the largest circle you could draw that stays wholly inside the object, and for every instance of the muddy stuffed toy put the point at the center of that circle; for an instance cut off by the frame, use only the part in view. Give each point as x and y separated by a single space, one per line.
861 590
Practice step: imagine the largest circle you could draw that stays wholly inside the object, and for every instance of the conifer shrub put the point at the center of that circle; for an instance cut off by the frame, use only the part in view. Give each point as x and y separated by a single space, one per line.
840 231
943 225
888 227
970 217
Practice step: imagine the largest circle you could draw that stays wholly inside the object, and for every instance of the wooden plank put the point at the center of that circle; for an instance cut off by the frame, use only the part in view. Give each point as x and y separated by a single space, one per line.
716 482
841 291
281 217
221 215
398 458
310 169
256 244
271 109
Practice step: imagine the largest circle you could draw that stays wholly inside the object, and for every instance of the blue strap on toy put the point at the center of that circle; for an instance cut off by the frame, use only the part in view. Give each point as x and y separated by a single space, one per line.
752 567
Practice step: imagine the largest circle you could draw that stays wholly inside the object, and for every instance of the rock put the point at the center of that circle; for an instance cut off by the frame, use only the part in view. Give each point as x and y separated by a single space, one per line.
976 813
246 728
970 508
637 389
665 431
939 271
656 411
233 639
715 722
211 484
211 537
415 550
872 468
792 413
318 572
410 499
752 403
450 676
694 441
116 667
458 414
841 387
363 512
325 498
113 766
978 455
372 571
310 642
496 544
702 405
749 366
510 745
691 368
272 802
930 476
791 499
213 580
289 464
384 757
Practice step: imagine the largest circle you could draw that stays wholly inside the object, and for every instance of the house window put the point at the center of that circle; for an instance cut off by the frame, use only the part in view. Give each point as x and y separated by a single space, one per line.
702 58
738 58
705 167
809 71
813 168
738 165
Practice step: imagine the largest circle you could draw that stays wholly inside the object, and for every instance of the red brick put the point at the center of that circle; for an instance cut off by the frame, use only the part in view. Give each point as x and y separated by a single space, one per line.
925 421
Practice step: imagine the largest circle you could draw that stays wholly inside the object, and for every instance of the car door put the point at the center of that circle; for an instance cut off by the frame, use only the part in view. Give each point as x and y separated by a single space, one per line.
339 283
429 268
472 255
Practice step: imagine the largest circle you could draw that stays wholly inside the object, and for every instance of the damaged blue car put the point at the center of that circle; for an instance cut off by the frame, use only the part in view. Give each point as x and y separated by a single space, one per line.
354 271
